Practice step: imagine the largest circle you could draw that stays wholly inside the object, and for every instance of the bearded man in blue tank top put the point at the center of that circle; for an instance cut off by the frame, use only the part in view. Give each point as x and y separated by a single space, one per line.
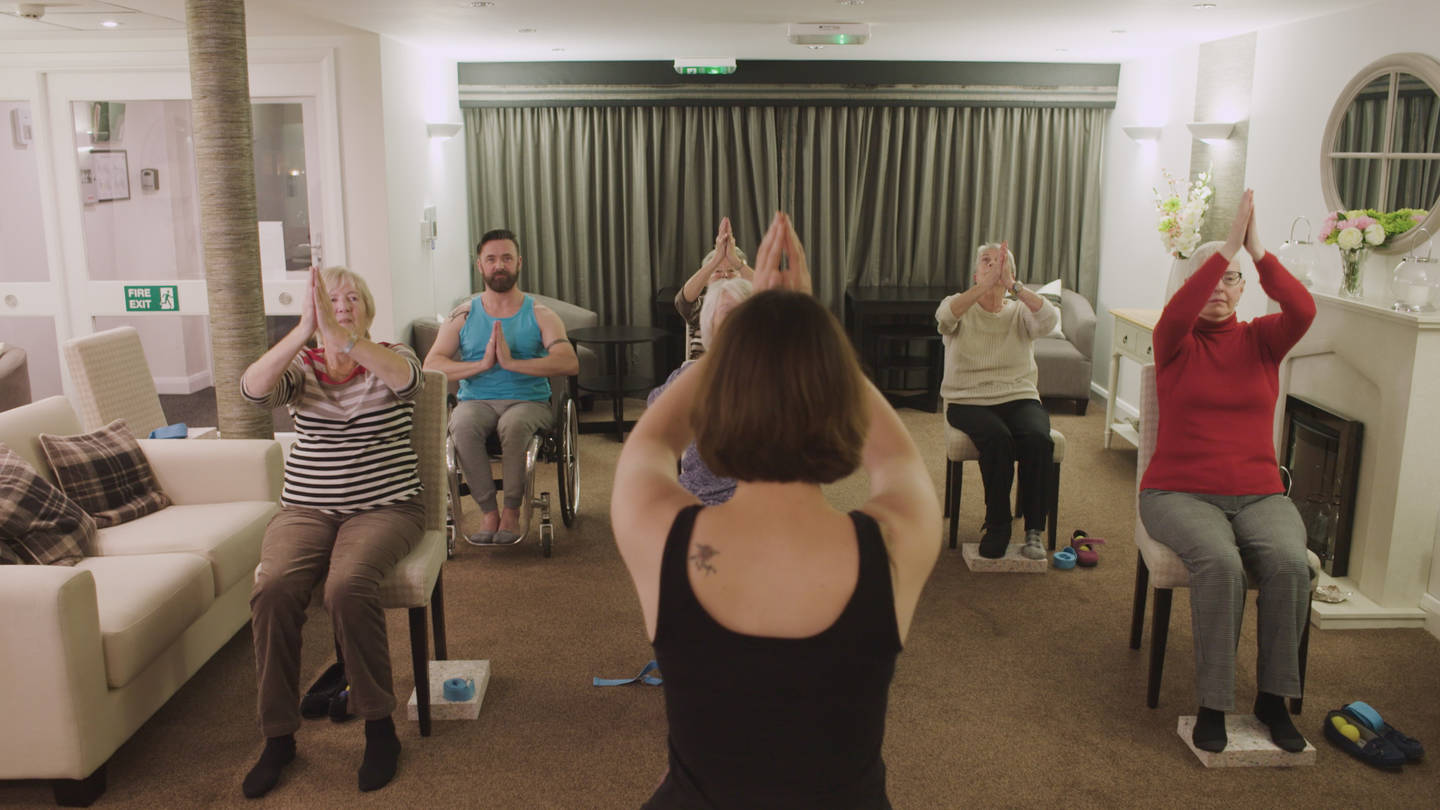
501 347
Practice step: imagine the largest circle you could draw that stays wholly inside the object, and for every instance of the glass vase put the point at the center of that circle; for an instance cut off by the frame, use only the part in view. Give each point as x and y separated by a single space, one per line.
1352 263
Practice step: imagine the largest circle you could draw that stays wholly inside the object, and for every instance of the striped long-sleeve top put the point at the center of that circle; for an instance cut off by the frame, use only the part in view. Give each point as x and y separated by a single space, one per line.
990 356
353 448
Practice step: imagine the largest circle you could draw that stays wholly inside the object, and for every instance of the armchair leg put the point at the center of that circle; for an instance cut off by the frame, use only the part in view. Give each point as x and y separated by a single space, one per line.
1159 634
1296 704
1081 405
420 657
437 616
79 792
946 506
1137 610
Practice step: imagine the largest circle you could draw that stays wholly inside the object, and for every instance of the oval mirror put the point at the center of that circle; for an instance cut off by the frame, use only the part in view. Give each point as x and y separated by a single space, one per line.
1381 147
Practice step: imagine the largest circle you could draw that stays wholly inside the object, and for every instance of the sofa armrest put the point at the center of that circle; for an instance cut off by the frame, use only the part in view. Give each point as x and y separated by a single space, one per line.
52 668
1077 320
195 471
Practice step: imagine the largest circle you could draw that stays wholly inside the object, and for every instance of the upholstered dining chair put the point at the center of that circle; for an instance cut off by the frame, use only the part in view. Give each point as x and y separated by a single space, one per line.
112 381
1158 566
959 449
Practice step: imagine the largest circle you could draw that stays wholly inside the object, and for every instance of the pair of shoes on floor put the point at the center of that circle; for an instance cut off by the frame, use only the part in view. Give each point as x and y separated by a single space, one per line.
1366 722
995 540
499 537
318 702
1350 734
1083 545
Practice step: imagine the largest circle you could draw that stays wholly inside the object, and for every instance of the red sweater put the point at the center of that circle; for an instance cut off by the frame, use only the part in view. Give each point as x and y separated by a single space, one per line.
1217 384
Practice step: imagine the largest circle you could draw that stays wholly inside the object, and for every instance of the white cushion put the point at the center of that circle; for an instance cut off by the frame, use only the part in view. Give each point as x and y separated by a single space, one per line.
145 602
1053 292
227 535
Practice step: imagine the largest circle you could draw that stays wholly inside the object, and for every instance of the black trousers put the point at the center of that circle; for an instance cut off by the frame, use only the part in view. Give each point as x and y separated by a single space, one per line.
1018 430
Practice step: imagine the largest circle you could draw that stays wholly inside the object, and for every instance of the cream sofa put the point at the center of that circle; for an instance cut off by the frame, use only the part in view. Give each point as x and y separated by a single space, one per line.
89 653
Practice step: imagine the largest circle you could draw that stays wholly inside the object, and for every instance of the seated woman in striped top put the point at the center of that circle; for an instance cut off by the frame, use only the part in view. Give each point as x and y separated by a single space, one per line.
990 394
350 508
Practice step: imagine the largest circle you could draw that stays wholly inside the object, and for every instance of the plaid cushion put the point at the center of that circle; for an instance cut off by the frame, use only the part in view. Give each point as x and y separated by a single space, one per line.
38 524
106 472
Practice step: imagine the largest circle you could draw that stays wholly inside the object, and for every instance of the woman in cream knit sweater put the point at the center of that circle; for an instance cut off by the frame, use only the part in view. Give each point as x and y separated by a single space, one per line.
990 394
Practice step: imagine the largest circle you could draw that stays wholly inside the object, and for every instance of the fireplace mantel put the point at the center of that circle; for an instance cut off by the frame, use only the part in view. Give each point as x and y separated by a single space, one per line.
1381 367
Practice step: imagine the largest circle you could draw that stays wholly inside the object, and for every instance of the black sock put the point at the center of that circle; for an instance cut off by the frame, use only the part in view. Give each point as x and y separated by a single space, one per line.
1270 709
1209 733
382 754
279 752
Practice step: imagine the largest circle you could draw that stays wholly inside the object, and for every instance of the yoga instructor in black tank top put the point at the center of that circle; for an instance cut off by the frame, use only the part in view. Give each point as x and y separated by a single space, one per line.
776 618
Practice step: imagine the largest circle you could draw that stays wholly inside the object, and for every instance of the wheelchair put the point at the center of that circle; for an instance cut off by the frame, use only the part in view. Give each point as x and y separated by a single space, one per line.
557 444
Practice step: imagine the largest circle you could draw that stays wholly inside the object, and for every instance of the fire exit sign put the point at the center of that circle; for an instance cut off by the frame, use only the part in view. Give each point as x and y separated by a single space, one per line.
152 298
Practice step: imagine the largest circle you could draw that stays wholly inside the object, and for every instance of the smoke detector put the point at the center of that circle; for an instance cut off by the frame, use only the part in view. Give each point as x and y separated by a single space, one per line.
30 11
829 33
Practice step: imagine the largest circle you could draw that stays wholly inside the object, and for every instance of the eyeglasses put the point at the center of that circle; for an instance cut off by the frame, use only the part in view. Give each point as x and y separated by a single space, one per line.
1232 278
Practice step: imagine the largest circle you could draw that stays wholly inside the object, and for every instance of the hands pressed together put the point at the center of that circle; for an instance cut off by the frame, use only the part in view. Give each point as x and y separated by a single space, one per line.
1243 233
781 242
995 272
726 262
318 314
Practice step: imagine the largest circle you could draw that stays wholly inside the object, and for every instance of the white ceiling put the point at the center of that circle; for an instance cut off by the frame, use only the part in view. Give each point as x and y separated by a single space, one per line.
959 30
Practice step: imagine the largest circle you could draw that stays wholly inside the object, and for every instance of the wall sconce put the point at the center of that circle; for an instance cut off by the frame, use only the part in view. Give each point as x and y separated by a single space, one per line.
1142 133
442 131
1210 130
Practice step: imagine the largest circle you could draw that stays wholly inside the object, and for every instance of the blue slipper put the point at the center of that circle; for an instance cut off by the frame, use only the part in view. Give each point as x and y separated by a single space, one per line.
1409 746
1064 559
1351 735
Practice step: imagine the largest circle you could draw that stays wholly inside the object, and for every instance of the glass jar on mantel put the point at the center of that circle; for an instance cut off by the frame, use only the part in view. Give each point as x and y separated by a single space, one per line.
1414 281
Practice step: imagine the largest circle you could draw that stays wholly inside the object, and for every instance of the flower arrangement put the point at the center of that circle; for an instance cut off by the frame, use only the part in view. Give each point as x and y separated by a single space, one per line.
1182 212
1355 232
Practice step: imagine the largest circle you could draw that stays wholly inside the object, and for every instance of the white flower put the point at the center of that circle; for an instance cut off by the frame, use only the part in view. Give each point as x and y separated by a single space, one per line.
1349 239
1375 234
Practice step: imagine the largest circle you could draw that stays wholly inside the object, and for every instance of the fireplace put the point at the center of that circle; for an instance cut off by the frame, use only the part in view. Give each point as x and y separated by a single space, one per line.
1320 450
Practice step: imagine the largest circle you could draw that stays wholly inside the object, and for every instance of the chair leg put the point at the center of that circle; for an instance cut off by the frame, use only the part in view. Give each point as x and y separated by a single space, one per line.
1054 485
946 505
420 657
1137 610
1159 634
1296 704
437 616
1081 405
79 792
956 477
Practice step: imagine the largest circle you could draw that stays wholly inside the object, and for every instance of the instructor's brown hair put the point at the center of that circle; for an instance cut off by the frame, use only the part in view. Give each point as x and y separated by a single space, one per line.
781 395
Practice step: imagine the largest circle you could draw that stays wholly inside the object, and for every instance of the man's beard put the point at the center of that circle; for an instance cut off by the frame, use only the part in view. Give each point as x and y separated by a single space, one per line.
500 281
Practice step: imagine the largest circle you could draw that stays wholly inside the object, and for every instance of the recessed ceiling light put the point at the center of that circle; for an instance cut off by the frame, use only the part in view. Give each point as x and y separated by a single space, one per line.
1202 5
851 2
557 50
1117 30
816 47
527 30
1062 50
109 24
479 4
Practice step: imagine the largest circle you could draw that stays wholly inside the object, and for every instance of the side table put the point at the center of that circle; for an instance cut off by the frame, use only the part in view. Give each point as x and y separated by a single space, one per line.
1131 338
615 339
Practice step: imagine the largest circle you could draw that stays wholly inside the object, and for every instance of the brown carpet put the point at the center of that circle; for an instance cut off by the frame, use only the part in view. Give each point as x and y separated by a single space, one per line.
1014 690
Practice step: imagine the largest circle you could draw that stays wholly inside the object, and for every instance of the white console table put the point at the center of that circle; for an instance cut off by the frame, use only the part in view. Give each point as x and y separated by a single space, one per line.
1130 338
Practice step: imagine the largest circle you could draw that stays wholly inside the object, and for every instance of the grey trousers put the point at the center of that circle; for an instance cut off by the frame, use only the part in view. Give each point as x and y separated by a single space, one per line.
472 422
357 551
1222 539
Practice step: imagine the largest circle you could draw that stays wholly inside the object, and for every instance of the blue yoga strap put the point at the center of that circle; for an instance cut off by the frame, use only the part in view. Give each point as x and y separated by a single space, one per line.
644 677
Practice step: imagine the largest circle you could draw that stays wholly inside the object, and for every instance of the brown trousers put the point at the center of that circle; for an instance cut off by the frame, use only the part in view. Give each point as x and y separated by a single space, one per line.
352 553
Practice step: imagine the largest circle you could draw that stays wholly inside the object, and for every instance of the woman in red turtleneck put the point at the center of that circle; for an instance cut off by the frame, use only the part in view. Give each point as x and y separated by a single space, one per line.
1212 492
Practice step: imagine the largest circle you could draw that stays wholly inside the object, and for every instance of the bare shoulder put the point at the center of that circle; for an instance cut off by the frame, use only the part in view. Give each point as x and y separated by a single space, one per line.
549 318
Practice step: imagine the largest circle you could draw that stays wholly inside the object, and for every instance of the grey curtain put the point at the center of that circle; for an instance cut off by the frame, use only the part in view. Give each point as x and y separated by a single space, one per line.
613 203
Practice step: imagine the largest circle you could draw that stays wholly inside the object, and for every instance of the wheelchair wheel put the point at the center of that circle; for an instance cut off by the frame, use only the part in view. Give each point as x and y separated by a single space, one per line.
567 467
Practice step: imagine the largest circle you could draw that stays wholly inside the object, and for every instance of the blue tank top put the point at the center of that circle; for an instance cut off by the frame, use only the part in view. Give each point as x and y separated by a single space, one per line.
522 335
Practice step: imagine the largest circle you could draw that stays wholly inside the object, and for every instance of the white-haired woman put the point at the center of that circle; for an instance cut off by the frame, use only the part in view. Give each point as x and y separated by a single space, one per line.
351 511
1212 492
723 261
720 298
990 393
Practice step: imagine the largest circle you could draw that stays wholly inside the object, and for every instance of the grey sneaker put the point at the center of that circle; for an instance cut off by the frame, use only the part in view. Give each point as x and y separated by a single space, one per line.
1034 549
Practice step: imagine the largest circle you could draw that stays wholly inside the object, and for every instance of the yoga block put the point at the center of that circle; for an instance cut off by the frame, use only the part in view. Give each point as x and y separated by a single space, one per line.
442 709
1248 745
1012 563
